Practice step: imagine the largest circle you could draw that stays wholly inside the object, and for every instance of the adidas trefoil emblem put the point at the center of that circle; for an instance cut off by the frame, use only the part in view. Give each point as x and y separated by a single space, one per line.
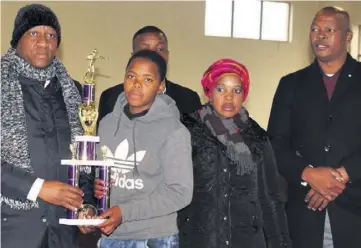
125 165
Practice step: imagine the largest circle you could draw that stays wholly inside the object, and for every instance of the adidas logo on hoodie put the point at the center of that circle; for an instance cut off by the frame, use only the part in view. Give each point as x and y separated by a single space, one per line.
125 165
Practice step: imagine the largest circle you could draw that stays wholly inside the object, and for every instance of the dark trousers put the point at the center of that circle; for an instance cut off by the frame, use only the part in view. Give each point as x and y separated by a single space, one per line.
27 234
307 226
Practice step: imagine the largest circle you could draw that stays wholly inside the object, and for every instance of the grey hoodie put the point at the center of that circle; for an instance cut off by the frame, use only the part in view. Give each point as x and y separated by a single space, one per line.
151 190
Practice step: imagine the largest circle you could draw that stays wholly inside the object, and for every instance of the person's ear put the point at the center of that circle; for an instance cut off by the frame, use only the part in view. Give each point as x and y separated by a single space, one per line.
161 87
349 36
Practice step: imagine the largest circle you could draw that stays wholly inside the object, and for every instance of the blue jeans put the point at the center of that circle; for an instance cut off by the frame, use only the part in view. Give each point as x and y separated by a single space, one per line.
164 242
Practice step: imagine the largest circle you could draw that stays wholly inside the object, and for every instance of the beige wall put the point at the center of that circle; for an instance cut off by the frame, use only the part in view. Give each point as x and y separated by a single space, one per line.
110 27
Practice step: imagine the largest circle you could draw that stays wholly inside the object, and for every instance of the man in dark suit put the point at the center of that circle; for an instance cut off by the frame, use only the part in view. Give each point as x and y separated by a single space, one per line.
152 38
315 129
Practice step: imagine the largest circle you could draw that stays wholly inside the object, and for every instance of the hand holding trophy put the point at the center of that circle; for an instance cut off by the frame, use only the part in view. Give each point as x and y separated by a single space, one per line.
83 150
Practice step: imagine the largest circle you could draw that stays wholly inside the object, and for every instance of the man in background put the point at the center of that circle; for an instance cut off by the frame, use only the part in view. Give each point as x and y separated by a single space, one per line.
152 38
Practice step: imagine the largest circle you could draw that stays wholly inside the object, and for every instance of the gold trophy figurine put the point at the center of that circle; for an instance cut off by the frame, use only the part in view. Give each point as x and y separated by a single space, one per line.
88 112
90 74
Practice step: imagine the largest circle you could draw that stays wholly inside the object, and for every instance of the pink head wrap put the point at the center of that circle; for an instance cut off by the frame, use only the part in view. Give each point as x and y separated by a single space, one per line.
221 67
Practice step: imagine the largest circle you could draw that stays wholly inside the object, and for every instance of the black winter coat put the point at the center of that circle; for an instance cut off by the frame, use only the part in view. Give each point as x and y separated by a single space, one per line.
48 138
230 210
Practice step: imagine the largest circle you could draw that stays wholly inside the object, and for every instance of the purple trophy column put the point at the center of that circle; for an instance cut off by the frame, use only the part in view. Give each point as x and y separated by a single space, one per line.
73 181
88 93
104 174
87 150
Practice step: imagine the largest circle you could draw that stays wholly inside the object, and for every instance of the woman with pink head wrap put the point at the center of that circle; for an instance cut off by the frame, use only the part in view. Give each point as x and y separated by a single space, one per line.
225 67
236 199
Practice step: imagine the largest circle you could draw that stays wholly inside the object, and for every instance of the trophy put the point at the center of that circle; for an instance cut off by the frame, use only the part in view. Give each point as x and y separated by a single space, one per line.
83 150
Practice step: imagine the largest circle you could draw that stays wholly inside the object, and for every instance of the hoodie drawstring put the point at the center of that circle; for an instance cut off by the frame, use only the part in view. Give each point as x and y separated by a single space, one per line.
118 124
135 171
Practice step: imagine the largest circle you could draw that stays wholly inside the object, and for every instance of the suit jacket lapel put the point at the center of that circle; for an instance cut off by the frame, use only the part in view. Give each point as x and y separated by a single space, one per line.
316 83
345 79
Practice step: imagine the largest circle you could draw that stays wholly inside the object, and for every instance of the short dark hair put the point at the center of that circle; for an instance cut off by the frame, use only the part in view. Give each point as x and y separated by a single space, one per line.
153 57
147 30
338 11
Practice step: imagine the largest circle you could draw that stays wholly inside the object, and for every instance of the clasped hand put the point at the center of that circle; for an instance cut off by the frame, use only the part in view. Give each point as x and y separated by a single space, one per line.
326 184
113 218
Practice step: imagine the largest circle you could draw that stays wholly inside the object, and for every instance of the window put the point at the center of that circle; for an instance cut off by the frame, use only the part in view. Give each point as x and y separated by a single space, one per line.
218 18
355 50
250 19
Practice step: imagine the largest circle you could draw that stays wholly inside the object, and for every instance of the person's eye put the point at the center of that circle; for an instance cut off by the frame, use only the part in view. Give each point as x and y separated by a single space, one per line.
219 89
33 33
331 30
52 36
130 76
148 80
238 91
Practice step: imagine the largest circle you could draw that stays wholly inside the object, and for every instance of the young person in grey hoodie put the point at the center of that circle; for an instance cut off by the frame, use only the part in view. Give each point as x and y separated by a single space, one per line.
144 136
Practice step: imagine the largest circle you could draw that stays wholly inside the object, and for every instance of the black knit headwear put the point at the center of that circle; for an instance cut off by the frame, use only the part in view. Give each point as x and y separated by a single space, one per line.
31 16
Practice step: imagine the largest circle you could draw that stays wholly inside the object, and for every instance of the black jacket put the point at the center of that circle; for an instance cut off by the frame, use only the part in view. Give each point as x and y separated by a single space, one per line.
229 210
79 86
186 100
48 134
306 128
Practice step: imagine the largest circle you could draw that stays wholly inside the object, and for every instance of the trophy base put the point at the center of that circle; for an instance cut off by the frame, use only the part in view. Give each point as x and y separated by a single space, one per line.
87 162
81 222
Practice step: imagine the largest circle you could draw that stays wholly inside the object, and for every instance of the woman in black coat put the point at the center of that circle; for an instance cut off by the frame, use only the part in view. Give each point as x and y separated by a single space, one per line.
236 200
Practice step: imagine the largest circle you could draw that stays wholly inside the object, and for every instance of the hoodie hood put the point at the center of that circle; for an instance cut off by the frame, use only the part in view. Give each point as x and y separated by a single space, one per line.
163 107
